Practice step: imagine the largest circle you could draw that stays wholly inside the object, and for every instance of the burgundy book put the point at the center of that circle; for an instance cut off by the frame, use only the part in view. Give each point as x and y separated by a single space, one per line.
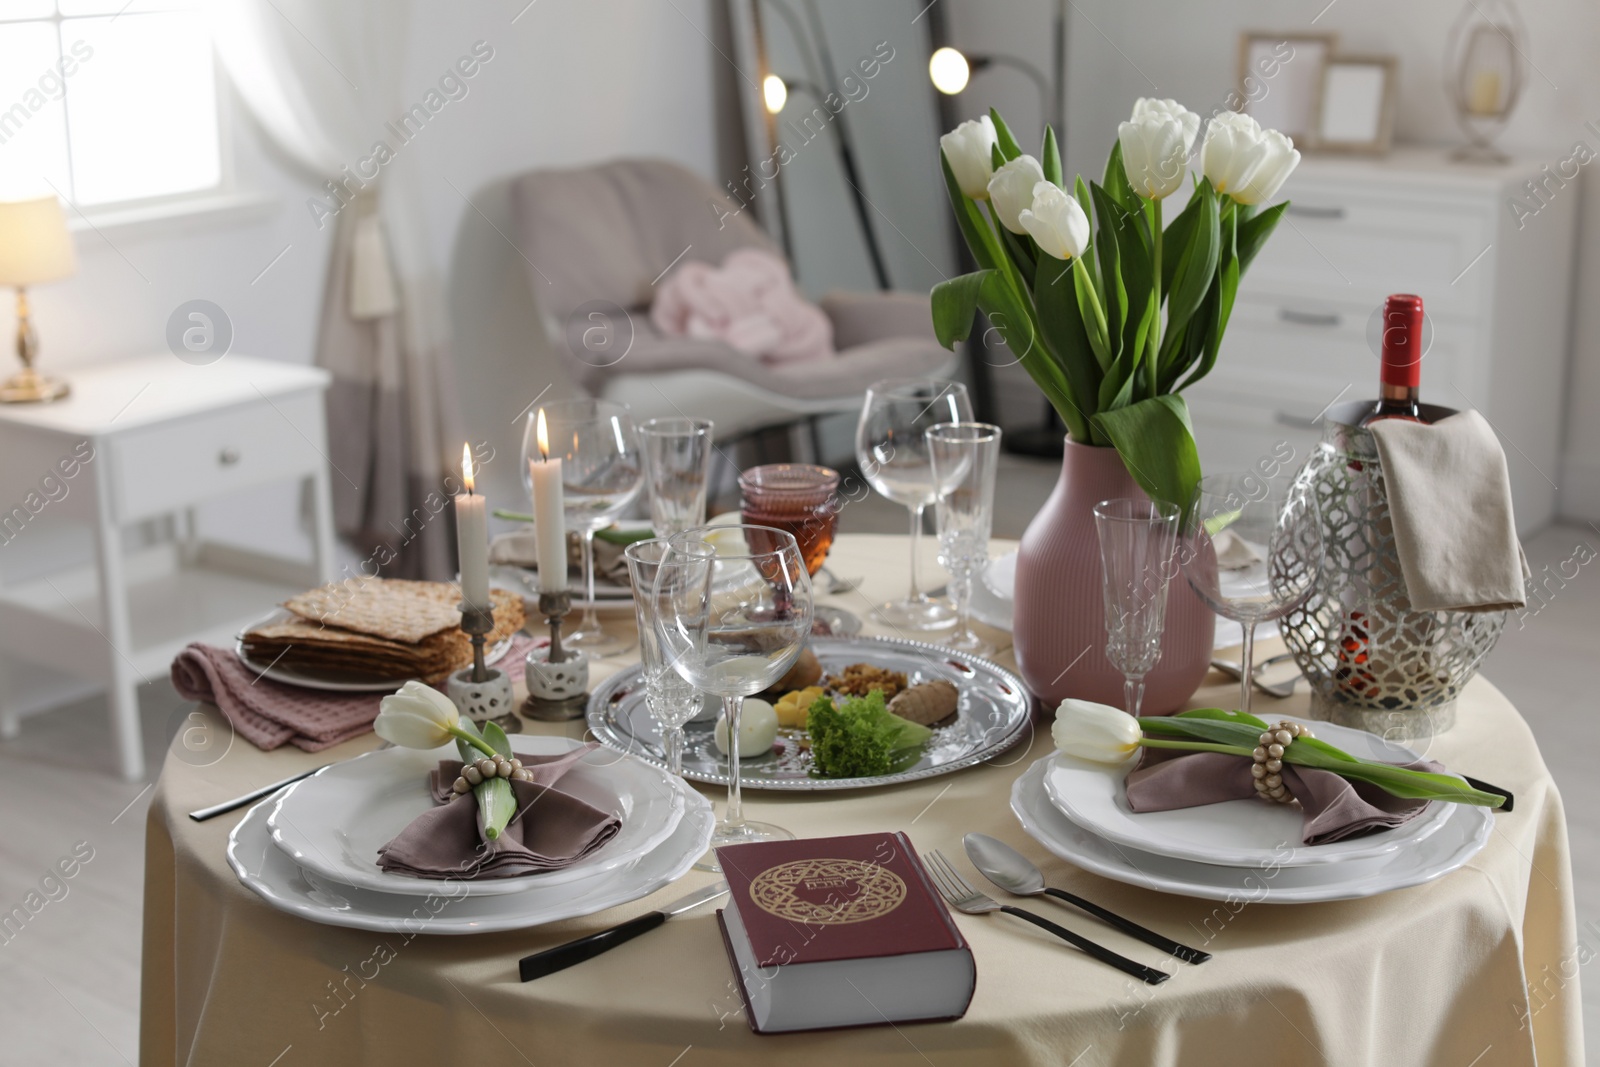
840 931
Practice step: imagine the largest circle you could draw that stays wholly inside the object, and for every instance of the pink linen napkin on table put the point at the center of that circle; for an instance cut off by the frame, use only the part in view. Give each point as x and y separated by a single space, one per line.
268 713
1334 808
550 830
749 303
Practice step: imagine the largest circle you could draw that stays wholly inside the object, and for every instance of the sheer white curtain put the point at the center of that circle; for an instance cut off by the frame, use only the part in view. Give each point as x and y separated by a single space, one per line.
324 78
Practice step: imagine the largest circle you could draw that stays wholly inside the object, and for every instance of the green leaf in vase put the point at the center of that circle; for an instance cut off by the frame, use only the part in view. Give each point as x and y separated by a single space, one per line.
1156 443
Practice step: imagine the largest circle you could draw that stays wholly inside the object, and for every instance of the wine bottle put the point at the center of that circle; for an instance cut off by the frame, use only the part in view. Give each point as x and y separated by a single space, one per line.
1400 356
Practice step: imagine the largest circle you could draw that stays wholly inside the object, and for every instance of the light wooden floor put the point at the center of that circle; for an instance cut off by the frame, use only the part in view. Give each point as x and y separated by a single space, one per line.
69 981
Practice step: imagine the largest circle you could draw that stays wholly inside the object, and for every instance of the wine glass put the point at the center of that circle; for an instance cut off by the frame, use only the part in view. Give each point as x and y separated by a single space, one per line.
1136 542
600 475
893 455
802 499
677 460
670 698
732 626
1252 551
963 456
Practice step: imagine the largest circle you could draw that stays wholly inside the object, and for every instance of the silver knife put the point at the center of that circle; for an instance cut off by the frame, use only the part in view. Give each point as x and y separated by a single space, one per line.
561 957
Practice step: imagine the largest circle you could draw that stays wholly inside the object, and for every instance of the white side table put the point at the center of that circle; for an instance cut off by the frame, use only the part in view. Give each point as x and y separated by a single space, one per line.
142 439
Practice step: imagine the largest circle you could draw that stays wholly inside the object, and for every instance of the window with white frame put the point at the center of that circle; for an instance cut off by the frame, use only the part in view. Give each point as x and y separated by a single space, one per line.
107 101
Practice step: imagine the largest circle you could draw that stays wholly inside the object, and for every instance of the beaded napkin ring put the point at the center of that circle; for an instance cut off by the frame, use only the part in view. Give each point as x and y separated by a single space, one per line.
1267 771
499 767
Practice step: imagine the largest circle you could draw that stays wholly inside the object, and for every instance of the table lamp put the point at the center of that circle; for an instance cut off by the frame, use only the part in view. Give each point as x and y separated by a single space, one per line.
35 247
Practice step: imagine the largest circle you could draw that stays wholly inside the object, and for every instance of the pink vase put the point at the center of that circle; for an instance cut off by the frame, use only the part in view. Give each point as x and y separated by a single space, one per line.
1059 620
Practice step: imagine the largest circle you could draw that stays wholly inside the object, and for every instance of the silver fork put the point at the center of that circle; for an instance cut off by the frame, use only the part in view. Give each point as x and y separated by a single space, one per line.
963 897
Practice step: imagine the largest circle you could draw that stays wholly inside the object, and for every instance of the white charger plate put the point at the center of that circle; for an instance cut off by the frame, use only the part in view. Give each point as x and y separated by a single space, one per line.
333 823
1235 833
1463 834
457 907
332 681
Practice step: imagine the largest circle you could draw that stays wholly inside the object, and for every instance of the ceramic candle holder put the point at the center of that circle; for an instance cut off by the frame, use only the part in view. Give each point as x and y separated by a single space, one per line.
556 691
481 701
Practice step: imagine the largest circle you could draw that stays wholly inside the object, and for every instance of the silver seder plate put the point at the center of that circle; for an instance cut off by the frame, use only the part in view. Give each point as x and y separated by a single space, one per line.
993 715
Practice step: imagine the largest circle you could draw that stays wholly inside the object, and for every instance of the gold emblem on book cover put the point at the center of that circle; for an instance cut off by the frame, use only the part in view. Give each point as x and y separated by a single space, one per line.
827 891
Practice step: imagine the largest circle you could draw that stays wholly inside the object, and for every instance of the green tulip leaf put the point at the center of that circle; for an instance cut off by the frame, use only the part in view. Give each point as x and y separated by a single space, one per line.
974 229
1197 261
1003 138
1061 319
1156 442
1050 158
955 302
1254 231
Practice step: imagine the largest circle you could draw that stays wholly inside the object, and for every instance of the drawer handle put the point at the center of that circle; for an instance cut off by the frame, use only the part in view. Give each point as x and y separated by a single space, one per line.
1311 211
228 457
1309 318
1298 422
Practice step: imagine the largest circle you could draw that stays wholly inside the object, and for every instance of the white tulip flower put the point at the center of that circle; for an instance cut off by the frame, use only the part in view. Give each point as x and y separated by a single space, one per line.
969 148
1011 190
418 716
1099 733
1243 160
1056 221
1156 143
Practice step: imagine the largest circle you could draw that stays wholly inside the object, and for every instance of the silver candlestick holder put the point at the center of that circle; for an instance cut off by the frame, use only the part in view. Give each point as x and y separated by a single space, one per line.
557 677
481 692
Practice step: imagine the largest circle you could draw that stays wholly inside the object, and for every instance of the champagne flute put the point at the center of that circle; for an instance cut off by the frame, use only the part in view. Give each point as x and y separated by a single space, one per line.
671 699
733 625
963 457
1252 551
677 461
600 475
1136 543
893 455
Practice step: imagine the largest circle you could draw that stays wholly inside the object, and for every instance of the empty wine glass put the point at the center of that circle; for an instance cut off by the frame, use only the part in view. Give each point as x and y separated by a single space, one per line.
963 456
1252 550
893 454
732 626
1136 542
677 460
600 475
670 698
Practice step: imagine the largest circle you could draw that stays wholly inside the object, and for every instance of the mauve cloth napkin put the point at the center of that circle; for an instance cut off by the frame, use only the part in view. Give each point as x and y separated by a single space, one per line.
550 830
520 548
268 713
1450 503
1334 808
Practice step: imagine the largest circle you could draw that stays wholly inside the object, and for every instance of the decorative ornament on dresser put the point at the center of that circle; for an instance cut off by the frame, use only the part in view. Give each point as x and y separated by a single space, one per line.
1080 306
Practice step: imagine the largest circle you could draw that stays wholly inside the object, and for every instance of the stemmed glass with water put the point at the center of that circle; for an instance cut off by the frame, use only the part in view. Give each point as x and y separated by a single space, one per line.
731 624
601 473
1252 550
893 453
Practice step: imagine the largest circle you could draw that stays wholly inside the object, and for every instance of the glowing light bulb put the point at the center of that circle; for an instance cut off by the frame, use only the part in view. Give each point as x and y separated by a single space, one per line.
775 93
949 70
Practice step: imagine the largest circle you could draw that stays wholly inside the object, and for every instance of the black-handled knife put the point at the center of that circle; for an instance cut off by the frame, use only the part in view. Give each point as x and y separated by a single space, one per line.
1487 788
561 957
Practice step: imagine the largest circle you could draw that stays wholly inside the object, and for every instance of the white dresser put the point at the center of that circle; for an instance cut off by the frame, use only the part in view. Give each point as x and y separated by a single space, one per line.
1498 297
149 439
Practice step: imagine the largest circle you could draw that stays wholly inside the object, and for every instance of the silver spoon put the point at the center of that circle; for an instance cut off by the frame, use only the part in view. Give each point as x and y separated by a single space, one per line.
1015 873
836 584
1274 689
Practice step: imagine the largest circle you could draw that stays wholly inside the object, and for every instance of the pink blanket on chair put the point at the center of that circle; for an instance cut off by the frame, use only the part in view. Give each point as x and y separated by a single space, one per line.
749 303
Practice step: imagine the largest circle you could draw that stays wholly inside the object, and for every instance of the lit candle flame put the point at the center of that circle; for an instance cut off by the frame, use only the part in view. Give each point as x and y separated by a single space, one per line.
543 434
466 467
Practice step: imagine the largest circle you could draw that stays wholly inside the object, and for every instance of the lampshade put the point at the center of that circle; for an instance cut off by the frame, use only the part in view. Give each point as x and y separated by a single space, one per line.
34 243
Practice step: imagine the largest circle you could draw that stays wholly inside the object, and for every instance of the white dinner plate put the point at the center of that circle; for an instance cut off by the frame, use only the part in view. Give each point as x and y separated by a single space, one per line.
991 602
1464 832
332 681
1235 833
457 907
334 822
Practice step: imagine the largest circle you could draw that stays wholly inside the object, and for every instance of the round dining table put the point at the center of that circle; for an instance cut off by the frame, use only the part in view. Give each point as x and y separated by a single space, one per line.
1478 968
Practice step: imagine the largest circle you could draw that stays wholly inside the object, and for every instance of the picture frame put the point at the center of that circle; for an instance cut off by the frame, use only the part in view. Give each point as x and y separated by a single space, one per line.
1280 79
1356 105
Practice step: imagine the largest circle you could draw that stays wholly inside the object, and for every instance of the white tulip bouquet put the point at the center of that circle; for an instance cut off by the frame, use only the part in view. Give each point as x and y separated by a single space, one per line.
1081 306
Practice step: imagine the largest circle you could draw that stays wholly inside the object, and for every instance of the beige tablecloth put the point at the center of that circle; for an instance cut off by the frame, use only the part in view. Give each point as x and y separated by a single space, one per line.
1436 974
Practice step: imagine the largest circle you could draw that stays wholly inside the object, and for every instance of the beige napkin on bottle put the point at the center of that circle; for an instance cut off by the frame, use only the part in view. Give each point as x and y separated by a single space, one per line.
1450 503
